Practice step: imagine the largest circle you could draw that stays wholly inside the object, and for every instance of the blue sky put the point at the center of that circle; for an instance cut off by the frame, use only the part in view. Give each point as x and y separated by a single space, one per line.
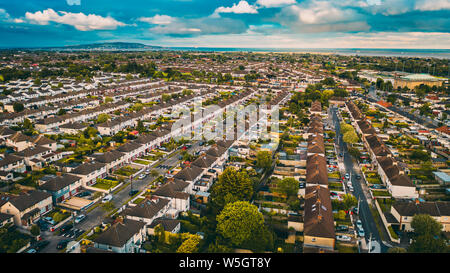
228 23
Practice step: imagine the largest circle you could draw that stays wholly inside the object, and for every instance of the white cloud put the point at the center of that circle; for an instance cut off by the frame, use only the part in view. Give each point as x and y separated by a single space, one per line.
437 40
321 16
275 3
73 2
424 5
80 20
395 7
158 19
241 7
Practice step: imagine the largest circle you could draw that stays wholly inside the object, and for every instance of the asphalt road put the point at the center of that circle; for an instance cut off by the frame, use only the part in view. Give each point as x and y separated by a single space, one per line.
96 216
360 191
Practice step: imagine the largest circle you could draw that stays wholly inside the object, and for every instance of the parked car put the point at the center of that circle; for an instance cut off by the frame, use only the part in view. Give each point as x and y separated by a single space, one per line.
347 175
31 250
41 245
66 228
84 194
361 232
344 238
133 192
80 218
342 228
107 198
359 224
49 220
358 177
43 226
142 176
355 210
350 188
62 244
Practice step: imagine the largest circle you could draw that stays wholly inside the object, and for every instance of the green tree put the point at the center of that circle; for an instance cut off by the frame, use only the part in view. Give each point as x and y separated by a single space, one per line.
27 124
346 127
238 221
160 233
108 99
427 237
35 230
61 112
288 186
154 173
264 159
350 137
232 186
103 118
108 206
140 126
18 107
137 107
58 217
190 245
349 201
396 250
420 155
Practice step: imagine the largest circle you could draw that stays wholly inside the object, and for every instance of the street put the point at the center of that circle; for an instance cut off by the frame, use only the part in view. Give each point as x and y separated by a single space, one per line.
95 216
360 189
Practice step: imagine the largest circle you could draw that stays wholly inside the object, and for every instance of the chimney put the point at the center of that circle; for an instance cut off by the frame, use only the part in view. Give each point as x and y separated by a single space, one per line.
119 219
319 217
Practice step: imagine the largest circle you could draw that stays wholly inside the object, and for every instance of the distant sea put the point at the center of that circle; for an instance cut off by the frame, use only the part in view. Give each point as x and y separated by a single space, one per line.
388 52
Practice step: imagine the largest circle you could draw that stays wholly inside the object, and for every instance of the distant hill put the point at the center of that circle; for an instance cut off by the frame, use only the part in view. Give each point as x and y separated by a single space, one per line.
114 46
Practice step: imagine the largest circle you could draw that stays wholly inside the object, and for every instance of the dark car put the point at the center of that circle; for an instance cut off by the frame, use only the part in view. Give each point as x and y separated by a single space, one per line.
62 244
66 227
358 177
84 194
43 226
41 245
342 228
133 192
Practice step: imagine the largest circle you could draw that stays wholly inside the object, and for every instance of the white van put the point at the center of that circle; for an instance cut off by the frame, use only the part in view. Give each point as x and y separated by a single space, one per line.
107 198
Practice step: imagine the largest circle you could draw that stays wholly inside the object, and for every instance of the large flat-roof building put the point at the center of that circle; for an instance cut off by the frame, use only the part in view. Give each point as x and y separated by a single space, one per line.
413 80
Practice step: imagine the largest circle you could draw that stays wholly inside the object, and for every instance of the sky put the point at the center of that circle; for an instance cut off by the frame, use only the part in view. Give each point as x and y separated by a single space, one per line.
423 24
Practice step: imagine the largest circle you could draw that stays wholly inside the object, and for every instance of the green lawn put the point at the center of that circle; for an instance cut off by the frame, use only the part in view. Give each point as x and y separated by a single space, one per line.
105 184
374 180
381 193
126 171
346 249
392 232
385 204
138 161
138 200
